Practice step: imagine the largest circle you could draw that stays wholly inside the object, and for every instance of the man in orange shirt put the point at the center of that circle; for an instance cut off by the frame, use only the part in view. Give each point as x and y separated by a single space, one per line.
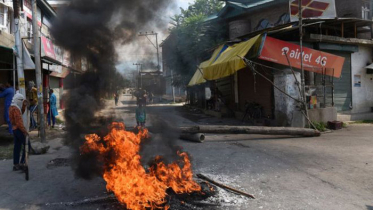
18 106
32 96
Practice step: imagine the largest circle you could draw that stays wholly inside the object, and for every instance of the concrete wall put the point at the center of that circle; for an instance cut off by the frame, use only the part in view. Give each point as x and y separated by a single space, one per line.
349 8
286 111
323 115
362 97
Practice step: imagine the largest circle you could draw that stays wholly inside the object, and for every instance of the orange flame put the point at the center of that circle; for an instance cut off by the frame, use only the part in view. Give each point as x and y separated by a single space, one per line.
127 178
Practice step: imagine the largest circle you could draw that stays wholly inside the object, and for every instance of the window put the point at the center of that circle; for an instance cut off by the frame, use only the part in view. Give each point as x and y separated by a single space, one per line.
365 11
3 17
29 31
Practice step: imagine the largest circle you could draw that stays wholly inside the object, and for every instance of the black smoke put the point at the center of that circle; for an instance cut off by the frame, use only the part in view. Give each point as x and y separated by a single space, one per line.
92 29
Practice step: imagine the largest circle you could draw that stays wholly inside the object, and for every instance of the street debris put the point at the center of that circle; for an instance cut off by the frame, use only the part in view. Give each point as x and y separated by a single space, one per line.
223 129
225 186
196 137
58 162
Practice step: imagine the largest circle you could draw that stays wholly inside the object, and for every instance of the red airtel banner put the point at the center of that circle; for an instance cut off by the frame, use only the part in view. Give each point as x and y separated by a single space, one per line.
275 50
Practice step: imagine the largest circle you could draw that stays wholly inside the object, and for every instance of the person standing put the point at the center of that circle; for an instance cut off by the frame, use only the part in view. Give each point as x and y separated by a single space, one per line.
141 115
116 98
32 96
18 106
8 94
52 112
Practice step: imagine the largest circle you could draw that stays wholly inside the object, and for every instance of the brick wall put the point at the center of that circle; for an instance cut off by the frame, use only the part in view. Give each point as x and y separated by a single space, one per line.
271 14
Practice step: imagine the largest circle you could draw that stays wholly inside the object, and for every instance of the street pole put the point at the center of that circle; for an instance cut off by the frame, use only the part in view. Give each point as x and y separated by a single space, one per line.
138 68
156 44
19 47
39 85
19 59
173 87
146 34
303 95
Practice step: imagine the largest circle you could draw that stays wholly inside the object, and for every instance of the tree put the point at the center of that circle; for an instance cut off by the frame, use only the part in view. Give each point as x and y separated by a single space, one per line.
194 38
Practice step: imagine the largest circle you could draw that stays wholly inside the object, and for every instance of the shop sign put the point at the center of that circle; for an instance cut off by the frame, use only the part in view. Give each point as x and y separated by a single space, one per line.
275 50
48 48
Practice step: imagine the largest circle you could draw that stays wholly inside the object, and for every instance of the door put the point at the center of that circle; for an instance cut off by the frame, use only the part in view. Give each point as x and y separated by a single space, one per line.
343 87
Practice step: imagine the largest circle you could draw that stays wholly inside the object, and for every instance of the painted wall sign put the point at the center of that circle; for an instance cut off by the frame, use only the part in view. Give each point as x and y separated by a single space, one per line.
312 9
48 48
274 50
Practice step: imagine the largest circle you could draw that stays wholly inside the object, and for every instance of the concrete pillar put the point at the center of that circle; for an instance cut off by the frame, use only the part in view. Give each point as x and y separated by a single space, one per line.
287 111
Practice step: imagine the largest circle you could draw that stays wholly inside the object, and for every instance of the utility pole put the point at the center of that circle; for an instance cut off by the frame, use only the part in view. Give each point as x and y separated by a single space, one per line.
39 85
173 87
146 34
303 95
138 66
19 48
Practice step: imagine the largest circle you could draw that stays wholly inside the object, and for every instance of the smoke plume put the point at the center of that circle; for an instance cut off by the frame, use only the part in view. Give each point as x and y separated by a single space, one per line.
93 29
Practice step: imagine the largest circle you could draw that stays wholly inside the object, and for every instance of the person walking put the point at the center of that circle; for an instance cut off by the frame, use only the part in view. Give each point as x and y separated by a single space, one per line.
141 115
32 96
8 94
52 112
18 106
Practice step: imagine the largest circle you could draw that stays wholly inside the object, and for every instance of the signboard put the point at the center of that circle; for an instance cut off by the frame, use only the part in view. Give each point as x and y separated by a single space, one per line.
313 9
48 48
275 50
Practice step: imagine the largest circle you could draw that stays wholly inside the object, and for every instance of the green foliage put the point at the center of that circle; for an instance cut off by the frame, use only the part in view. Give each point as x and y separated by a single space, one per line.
320 126
193 40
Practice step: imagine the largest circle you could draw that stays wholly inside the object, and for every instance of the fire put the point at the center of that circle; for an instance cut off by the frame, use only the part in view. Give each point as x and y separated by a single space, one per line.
131 183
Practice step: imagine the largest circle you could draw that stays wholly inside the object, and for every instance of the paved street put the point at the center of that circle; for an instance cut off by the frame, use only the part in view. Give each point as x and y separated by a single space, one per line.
333 171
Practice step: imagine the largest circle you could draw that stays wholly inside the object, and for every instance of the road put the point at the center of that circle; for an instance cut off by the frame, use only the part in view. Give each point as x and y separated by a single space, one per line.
333 171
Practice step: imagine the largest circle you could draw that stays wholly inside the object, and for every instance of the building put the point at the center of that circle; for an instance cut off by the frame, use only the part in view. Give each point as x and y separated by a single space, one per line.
57 63
339 27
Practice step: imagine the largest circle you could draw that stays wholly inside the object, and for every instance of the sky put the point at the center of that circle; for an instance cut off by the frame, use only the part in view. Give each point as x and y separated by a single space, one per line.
142 50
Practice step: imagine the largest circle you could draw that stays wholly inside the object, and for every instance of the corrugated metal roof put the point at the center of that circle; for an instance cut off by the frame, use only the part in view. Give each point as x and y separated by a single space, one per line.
241 7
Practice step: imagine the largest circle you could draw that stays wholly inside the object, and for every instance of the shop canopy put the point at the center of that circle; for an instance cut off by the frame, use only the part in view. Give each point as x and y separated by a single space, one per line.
230 61
227 60
198 75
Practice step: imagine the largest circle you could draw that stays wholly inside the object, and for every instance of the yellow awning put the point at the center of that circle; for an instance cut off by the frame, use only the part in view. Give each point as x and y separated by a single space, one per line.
228 62
198 77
